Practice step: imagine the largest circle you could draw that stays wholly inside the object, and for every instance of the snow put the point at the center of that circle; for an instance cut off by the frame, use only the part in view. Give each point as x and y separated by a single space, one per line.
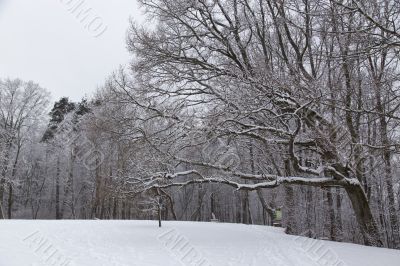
142 243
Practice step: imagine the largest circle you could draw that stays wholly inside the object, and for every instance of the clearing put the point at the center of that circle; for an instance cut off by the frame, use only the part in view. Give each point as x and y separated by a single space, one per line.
142 243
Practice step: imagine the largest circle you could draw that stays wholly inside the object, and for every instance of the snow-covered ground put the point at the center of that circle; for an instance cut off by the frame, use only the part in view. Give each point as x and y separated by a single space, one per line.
129 243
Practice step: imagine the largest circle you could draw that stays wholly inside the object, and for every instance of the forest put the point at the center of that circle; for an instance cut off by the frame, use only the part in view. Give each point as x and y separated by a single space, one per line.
229 110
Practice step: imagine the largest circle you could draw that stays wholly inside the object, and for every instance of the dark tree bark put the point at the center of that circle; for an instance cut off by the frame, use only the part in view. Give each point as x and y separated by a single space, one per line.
364 215
331 211
289 204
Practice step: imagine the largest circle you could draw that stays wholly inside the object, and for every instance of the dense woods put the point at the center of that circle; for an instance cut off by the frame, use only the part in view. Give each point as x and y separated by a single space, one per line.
229 110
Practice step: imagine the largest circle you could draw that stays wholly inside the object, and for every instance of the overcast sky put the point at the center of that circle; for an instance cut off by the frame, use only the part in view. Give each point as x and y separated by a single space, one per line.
43 41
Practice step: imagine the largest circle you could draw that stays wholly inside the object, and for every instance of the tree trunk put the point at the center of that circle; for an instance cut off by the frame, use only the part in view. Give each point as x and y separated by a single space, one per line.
364 217
289 203
170 203
123 211
1 211
246 215
331 211
266 208
115 207
309 212
4 171
13 174
10 201
339 227
159 216
69 188
58 209
98 193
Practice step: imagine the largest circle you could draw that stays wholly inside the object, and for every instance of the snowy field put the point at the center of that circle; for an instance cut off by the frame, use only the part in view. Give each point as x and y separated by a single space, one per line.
142 243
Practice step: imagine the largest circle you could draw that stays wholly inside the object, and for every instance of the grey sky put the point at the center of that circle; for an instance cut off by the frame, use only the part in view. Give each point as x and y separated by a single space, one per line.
43 41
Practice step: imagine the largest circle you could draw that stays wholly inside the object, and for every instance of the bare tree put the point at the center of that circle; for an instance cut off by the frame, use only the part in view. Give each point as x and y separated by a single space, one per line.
257 70
22 104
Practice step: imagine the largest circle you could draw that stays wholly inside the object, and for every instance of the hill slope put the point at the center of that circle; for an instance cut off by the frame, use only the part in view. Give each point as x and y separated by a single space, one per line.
142 243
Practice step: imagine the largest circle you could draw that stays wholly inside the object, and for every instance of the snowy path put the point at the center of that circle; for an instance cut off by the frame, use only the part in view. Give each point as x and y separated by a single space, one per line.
142 243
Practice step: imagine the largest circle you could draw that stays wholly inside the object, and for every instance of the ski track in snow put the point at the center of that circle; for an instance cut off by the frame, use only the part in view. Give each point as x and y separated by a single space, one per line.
137 243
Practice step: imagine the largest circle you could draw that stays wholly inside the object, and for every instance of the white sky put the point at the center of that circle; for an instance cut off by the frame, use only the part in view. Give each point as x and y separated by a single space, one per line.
41 40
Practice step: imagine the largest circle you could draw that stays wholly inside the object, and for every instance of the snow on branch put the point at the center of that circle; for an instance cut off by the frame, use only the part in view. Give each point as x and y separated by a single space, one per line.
292 180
